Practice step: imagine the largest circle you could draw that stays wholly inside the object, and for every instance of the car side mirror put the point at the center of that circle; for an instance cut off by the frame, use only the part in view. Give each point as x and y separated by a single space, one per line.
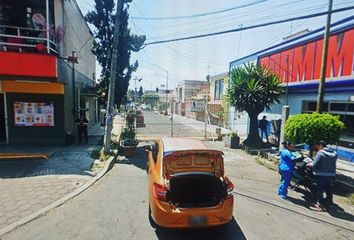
148 148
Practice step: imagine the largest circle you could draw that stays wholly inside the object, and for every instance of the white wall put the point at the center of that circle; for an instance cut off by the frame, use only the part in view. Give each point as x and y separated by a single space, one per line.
77 33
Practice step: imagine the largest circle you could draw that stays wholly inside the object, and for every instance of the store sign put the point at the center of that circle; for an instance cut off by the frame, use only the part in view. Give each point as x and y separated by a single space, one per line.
198 105
28 64
34 114
303 63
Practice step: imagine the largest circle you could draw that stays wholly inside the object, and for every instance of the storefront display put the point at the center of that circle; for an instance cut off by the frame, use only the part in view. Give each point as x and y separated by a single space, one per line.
34 114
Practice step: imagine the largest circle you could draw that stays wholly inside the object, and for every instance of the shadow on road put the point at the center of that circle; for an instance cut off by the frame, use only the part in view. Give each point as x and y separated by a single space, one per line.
231 231
74 159
342 215
138 160
335 211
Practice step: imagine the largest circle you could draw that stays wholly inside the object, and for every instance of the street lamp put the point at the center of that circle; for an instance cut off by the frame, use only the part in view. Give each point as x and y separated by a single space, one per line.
139 79
73 60
166 79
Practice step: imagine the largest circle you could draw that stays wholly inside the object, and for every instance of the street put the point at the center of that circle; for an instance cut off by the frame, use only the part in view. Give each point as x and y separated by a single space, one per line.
116 207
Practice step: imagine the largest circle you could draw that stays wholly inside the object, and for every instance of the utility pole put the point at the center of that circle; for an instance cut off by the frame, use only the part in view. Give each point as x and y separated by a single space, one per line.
167 87
172 116
321 84
166 79
287 79
112 81
135 95
284 117
205 116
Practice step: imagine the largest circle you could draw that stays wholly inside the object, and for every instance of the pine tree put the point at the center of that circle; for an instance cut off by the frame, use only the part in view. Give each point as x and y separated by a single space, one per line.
103 19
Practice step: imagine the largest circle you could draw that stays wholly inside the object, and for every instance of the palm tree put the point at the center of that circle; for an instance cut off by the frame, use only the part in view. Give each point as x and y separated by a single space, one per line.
254 88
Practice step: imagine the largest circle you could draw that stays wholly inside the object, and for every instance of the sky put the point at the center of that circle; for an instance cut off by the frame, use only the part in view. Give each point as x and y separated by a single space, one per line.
197 58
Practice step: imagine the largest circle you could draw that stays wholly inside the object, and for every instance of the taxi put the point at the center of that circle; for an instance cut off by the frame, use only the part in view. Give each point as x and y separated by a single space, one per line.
188 187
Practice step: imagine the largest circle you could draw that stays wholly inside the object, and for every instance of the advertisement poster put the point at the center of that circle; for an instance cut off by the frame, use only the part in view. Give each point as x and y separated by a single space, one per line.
34 114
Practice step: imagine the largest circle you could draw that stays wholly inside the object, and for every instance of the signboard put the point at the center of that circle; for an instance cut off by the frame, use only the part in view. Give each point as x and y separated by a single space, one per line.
303 63
198 105
34 114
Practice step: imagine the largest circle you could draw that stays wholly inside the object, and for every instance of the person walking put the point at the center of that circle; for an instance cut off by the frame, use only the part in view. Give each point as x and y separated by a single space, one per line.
82 128
263 126
286 168
324 170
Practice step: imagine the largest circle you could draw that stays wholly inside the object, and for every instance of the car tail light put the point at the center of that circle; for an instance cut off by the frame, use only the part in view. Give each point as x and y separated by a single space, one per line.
230 188
160 192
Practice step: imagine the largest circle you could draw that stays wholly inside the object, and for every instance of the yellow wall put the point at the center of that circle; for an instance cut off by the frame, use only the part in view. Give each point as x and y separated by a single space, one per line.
32 87
213 79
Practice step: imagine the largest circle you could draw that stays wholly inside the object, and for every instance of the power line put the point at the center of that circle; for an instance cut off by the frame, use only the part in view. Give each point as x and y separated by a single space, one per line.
200 14
221 25
157 33
251 27
230 21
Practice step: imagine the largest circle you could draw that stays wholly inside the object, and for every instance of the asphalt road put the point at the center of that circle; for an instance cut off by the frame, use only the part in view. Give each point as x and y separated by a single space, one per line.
158 125
116 207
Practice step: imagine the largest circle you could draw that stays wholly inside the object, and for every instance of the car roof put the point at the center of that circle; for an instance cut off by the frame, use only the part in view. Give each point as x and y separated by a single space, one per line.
181 144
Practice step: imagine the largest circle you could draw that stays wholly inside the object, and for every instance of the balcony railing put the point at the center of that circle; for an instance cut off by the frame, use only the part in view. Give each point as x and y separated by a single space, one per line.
27 40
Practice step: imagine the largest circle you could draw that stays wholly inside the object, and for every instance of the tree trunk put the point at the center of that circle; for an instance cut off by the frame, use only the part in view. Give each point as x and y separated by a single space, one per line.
253 139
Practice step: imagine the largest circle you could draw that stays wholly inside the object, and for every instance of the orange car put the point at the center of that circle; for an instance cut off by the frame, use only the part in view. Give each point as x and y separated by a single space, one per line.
187 185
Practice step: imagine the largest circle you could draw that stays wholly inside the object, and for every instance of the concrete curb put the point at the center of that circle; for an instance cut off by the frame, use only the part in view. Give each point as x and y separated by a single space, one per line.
109 164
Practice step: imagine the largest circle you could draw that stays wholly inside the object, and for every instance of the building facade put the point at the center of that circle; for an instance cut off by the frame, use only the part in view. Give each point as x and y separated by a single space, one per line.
298 62
218 87
186 91
46 71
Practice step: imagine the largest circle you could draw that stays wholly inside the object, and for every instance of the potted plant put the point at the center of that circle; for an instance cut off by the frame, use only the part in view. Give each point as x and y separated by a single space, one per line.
130 119
129 146
129 142
232 140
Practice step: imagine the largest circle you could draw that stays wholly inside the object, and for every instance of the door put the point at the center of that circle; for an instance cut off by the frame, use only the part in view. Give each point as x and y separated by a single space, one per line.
2 120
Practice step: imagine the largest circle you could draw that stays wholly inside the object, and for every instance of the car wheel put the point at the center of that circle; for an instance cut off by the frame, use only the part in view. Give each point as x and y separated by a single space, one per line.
151 220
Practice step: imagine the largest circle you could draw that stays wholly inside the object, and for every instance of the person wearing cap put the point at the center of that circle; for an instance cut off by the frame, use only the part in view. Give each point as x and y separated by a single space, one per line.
286 168
324 170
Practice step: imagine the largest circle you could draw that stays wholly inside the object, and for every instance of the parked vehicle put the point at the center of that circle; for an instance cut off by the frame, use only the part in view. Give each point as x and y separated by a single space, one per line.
146 107
139 119
187 185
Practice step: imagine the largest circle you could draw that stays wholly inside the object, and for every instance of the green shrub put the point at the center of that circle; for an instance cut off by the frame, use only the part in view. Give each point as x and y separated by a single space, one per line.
128 133
164 106
311 128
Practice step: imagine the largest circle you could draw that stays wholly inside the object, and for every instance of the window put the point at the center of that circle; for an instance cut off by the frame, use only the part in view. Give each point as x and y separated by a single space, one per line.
342 107
219 88
309 107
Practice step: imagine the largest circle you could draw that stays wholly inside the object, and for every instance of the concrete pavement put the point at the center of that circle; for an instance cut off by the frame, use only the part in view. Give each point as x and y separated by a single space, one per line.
27 186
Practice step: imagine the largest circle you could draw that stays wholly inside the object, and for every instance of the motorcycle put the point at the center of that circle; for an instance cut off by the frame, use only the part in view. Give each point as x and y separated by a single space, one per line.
302 175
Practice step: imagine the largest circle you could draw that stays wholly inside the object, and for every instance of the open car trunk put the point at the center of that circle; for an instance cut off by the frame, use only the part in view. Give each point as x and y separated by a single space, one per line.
189 190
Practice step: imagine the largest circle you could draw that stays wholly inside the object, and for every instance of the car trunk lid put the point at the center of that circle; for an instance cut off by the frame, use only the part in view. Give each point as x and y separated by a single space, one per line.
208 161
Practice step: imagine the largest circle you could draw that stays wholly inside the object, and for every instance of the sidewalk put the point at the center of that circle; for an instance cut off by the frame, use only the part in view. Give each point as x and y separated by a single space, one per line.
345 173
27 186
